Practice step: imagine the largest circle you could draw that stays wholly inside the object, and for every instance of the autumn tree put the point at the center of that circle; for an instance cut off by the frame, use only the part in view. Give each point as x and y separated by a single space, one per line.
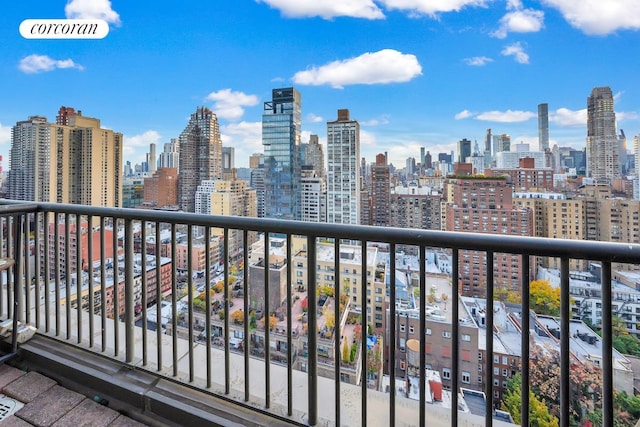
539 414
545 299
238 316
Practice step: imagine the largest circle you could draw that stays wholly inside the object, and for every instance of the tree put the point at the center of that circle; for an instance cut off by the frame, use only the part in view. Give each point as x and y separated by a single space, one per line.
539 414
238 316
345 352
505 295
545 299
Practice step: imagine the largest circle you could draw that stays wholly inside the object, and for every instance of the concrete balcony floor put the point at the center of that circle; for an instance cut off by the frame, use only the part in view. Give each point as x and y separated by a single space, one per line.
41 401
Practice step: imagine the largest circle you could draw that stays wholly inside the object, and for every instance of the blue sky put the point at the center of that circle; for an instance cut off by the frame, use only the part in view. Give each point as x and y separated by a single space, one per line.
413 72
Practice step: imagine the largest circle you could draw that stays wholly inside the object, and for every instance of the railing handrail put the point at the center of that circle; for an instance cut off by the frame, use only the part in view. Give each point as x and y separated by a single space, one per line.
575 249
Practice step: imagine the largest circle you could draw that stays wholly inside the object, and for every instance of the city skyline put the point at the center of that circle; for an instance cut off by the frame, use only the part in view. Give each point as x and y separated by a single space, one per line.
435 74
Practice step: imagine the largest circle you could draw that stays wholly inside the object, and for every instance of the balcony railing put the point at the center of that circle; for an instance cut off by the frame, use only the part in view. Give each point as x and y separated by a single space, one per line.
87 294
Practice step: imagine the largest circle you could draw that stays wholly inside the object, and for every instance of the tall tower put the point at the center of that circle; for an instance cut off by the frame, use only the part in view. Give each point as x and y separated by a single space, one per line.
315 155
228 159
170 157
543 126
72 161
200 155
281 127
30 171
343 170
380 191
603 163
152 164
464 150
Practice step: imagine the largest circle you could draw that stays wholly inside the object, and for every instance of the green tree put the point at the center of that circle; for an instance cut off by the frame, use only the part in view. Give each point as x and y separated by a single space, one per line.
345 352
539 415
545 299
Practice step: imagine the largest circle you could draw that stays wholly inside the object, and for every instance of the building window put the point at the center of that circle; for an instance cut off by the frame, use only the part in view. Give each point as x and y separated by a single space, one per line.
446 373
496 371
466 377
411 329
496 359
496 383
402 327
505 360
466 337
446 334
504 372
402 365
428 331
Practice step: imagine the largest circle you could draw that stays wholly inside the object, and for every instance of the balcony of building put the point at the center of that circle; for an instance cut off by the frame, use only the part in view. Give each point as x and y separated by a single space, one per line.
170 351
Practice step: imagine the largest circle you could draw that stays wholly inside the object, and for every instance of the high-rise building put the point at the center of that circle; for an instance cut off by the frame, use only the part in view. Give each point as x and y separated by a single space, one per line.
464 150
313 196
152 165
603 154
170 157
72 161
281 128
315 155
200 155
485 206
504 143
30 171
428 161
543 126
255 160
228 197
343 170
161 190
636 161
380 192
228 159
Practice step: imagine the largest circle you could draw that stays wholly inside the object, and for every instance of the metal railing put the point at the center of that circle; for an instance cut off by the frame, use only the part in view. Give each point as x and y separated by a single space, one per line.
52 298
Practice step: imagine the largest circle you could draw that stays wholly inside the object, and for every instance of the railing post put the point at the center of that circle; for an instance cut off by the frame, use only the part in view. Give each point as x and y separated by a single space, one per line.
312 332
128 291
18 303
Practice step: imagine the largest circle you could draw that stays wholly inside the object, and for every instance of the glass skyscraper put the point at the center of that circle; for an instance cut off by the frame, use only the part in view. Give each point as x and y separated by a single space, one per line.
281 125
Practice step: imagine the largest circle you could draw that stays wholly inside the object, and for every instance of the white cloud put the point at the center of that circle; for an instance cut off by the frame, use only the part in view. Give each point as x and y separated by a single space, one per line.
599 17
430 7
464 114
41 63
5 134
618 96
509 116
626 115
134 147
367 139
245 137
566 118
228 104
384 66
91 9
326 9
313 118
477 61
517 51
520 21
382 120
514 4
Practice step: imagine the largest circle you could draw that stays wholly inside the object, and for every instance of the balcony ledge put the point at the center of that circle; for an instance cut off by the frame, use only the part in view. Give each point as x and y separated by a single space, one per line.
141 395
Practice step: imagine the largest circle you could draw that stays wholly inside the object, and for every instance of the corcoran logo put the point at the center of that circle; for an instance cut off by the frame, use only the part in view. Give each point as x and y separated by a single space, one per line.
64 29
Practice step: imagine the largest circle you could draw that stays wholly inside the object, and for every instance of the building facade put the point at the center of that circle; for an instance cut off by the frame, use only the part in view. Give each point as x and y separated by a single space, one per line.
281 127
603 160
484 205
343 170
200 155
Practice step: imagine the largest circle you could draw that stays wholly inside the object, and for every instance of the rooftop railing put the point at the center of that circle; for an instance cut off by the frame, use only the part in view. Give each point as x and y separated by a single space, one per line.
87 294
